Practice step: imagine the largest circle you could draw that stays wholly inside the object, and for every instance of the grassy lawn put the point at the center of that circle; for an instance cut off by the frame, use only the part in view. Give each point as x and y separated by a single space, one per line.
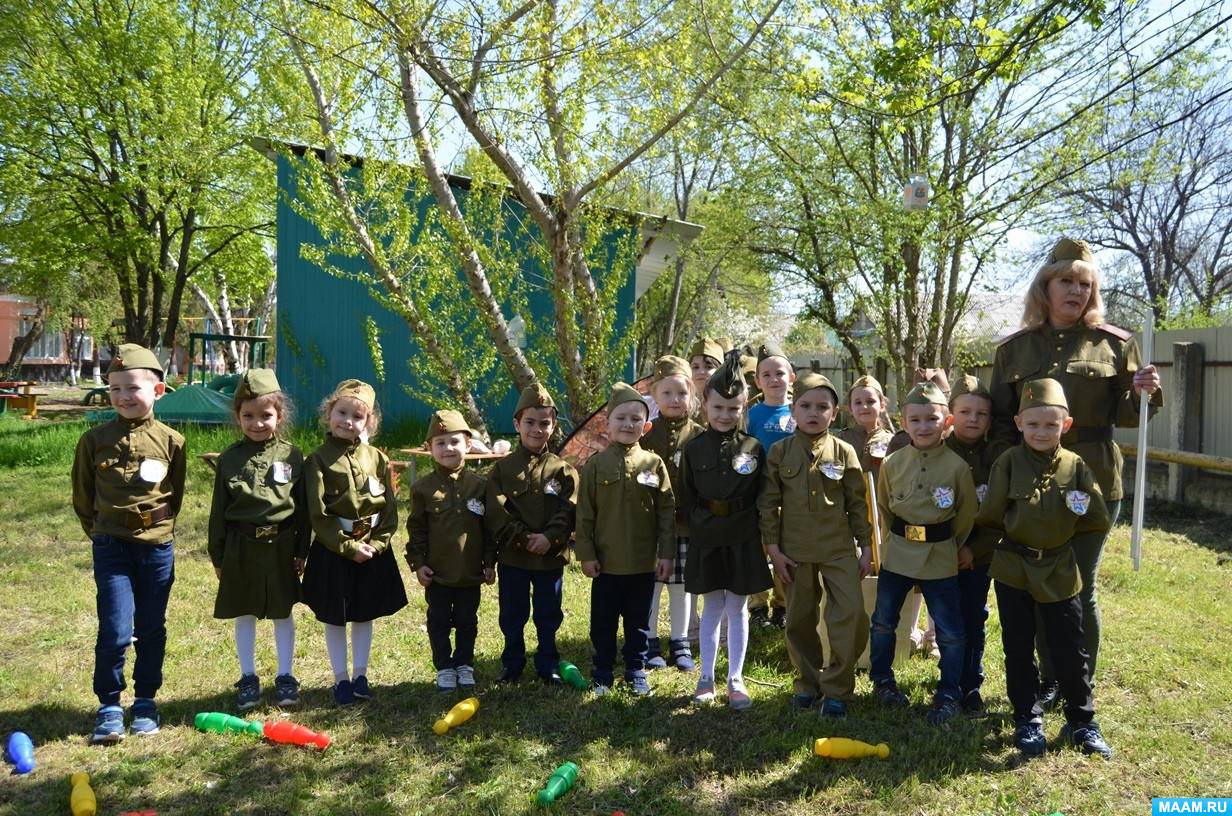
1164 700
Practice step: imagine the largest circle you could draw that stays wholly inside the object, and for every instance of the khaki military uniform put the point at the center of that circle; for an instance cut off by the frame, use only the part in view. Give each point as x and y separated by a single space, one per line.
531 493
920 489
446 527
258 526
626 516
978 458
871 448
667 438
813 508
128 480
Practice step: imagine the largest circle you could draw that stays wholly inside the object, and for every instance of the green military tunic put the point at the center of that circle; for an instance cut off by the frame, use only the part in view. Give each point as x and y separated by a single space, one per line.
925 487
979 461
626 516
258 526
531 493
667 438
1096 368
128 480
871 448
446 527
813 503
1042 501
720 479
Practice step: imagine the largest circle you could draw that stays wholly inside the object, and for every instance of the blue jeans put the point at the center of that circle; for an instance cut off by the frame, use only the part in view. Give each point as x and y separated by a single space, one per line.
514 593
614 598
133 581
973 596
942 597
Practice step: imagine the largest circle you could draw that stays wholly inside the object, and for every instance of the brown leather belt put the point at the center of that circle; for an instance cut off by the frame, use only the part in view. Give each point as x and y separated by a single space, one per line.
142 520
260 530
725 508
1090 433
1031 553
923 532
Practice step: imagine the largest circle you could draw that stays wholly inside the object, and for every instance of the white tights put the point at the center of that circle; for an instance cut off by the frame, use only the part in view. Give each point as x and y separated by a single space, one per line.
246 643
678 607
336 645
716 606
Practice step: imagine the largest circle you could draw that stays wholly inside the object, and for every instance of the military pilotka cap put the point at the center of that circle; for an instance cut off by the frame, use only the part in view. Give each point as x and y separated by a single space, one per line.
622 393
728 381
130 357
255 382
969 384
355 389
936 376
926 393
445 422
809 380
767 350
1067 249
867 381
705 347
1042 393
669 365
534 396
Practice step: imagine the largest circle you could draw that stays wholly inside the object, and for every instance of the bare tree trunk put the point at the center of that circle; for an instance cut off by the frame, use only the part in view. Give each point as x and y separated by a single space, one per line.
23 343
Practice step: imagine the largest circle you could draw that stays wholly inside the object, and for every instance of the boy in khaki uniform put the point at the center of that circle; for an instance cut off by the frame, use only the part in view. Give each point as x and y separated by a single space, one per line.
128 483
1042 500
530 516
927 500
450 551
626 538
813 514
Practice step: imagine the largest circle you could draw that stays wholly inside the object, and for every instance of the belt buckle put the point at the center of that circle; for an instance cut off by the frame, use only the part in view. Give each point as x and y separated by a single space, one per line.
147 518
915 532
719 509
1037 554
361 527
267 531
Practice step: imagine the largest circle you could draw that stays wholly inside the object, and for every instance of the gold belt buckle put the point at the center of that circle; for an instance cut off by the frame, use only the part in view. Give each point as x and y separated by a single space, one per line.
916 532
361 527
719 508
147 518
267 531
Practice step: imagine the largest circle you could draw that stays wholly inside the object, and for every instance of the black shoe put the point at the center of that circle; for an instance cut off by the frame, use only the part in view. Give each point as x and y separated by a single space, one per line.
552 679
778 618
973 704
759 617
1049 694
249 694
1029 738
1088 738
886 692
942 711
509 676
803 700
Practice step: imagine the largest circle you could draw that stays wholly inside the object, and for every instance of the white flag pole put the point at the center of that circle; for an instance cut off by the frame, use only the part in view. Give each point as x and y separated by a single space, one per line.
1148 352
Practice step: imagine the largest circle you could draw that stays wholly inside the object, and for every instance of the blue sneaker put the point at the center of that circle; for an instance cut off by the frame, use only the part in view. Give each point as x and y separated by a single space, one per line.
833 709
144 717
639 685
344 693
1029 738
1088 737
249 694
108 726
360 688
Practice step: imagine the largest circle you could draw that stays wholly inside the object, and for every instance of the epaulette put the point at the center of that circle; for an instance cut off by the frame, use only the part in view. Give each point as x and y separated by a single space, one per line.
1018 333
1115 331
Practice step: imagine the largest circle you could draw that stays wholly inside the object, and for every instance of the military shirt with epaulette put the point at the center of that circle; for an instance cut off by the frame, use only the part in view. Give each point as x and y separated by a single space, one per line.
626 516
528 493
350 480
446 527
921 488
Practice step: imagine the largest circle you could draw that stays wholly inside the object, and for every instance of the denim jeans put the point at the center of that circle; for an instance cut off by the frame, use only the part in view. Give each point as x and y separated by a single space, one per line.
133 581
941 595
514 593
973 596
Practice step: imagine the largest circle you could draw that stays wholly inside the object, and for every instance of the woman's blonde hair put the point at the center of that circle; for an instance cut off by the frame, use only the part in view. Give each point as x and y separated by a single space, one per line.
374 414
1035 305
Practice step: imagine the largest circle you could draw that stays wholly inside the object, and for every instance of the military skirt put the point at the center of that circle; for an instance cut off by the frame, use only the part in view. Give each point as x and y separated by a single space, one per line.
340 591
738 566
258 576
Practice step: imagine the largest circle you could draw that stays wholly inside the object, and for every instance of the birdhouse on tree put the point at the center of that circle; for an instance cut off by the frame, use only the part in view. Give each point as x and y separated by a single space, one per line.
916 192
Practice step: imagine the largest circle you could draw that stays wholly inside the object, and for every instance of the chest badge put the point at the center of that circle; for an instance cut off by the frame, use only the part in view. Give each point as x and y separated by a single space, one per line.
943 497
676 458
878 450
980 492
552 488
648 478
152 470
1078 502
833 470
744 463
475 506
375 486
281 472
787 423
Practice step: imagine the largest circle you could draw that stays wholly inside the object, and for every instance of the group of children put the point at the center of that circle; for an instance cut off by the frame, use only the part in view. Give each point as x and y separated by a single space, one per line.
698 507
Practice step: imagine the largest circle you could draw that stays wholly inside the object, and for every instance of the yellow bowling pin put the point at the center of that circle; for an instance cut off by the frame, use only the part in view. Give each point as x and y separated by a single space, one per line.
82 801
457 715
843 748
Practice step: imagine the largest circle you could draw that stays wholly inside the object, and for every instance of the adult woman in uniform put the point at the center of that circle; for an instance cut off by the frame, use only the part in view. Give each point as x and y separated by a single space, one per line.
1064 336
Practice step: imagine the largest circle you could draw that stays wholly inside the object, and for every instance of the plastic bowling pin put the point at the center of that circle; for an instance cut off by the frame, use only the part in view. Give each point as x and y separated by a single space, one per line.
81 801
292 734
20 751
843 748
558 784
572 675
220 723
457 715
140 813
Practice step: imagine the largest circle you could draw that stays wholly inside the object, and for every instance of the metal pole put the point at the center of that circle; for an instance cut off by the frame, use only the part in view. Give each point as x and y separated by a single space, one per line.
1144 400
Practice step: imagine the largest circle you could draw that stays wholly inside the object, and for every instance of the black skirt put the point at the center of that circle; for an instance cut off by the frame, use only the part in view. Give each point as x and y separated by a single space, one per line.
340 591
738 567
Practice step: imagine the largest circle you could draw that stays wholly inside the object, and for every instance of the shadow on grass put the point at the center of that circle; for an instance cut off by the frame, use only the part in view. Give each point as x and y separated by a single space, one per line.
1205 528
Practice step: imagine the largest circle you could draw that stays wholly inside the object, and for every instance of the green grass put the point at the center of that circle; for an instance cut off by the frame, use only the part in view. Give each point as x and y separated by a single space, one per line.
1164 699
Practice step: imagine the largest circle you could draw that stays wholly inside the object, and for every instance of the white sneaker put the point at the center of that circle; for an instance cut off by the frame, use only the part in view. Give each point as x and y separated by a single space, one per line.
447 680
466 677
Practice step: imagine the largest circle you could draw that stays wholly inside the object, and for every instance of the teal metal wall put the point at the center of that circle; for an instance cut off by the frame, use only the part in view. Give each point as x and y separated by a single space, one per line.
321 323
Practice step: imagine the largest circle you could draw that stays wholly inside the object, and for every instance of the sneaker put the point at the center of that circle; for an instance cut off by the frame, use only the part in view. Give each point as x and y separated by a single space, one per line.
601 689
973 704
737 695
759 618
108 726
466 678
360 688
447 680
704 693
886 692
682 657
249 694
509 676
803 700
286 690
144 717
1088 738
552 679
344 693
942 711
778 618
654 655
1029 738
639 685
1049 694
833 709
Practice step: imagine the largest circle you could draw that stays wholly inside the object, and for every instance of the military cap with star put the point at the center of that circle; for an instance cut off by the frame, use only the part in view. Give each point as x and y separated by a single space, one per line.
255 382
1045 392
767 350
1068 249
446 422
969 384
669 365
926 393
622 393
809 380
706 347
131 357
355 389
534 396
